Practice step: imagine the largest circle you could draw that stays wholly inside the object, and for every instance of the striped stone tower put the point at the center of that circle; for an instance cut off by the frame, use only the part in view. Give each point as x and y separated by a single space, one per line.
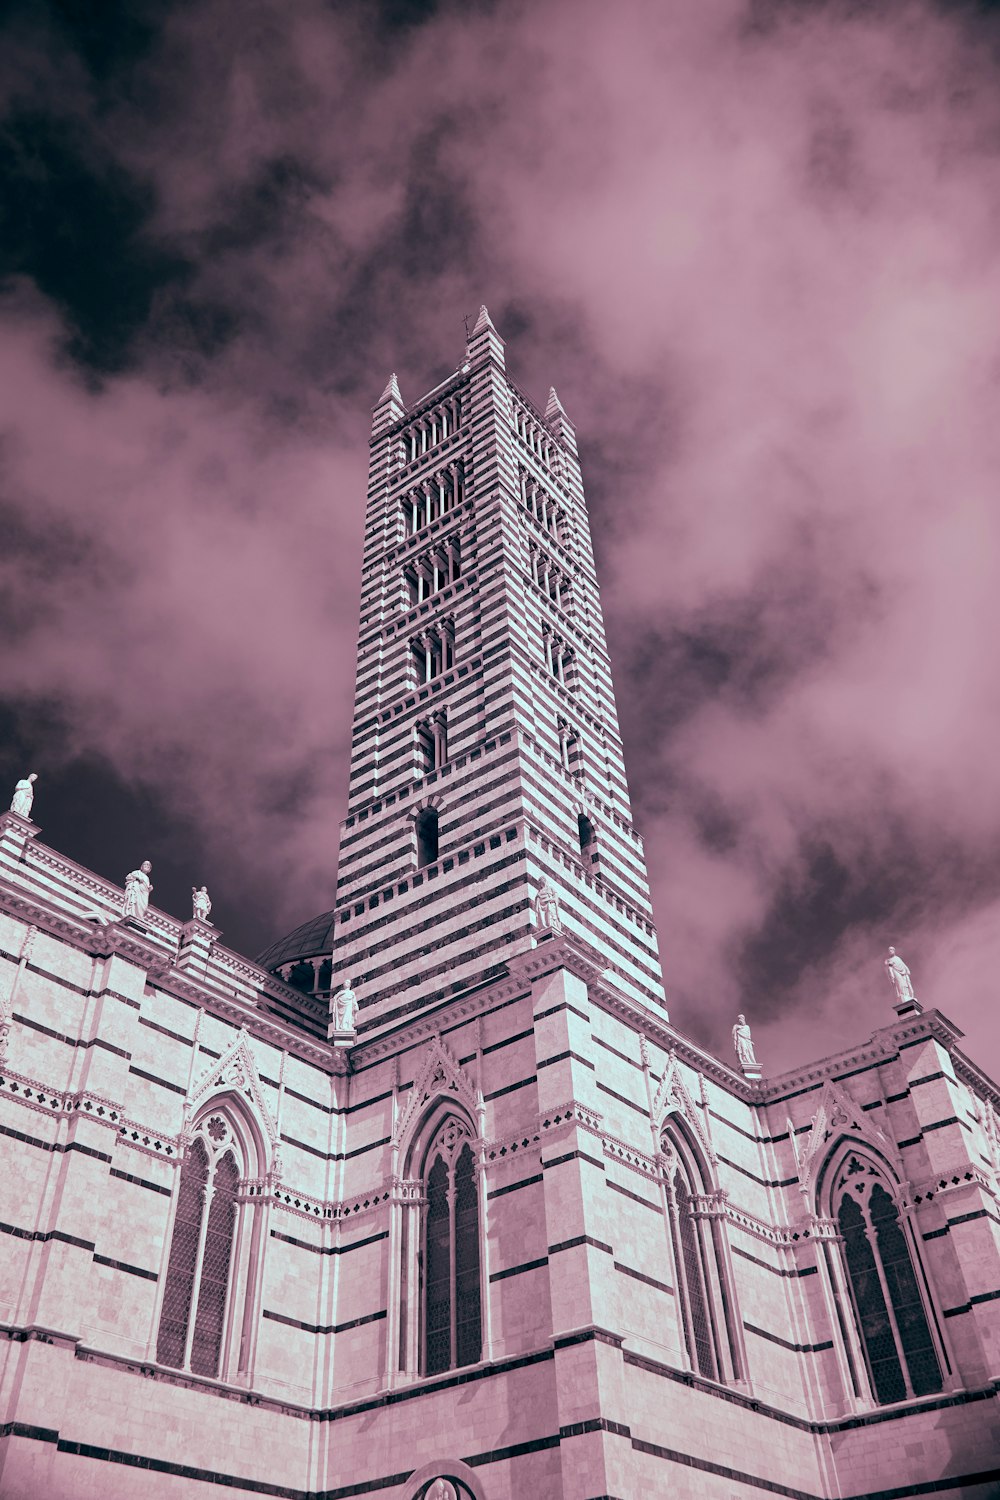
486 752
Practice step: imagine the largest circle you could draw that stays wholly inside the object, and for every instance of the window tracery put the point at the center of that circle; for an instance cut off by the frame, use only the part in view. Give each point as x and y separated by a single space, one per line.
197 1289
438 1208
702 1282
452 1313
897 1334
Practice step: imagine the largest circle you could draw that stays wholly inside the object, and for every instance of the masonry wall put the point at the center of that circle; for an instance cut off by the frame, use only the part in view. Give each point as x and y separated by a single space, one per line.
586 1385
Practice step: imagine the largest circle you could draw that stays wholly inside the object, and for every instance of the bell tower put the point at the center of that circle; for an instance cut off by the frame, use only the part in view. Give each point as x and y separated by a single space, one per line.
486 754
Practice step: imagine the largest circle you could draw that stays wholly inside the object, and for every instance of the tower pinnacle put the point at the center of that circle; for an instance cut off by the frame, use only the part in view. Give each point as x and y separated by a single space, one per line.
483 322
391 392
557 421
389 407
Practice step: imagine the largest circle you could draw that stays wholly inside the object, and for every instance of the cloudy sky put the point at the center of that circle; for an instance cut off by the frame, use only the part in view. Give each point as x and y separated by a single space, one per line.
756 247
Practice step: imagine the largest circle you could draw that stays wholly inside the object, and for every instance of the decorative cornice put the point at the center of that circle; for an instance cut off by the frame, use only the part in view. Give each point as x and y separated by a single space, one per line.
105 939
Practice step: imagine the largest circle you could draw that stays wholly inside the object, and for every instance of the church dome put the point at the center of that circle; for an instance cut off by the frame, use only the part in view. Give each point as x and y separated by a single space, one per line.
310 940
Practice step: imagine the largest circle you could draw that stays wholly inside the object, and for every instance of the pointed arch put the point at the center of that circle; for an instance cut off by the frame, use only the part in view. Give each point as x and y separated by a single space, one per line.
898 1332
673 1098
207 1300
235 1076
839 1118
705 1296
441 1076
440 1223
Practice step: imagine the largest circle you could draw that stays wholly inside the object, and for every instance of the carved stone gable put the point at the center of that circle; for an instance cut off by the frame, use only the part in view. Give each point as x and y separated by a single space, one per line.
440 1076
839 1115
235 1071
673 1097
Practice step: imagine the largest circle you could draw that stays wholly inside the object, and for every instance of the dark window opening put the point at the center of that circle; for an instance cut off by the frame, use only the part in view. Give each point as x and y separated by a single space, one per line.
895 1333
700 1332
302 976
452 1291
586 831
427 836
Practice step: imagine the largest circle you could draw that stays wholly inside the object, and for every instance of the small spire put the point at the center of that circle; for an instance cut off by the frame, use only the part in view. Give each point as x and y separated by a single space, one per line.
554 407
391 392
483 322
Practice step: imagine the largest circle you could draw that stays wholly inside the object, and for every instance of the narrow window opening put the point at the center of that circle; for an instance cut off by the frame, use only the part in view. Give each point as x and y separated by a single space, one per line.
585 829
452 1292
701 1324
427 837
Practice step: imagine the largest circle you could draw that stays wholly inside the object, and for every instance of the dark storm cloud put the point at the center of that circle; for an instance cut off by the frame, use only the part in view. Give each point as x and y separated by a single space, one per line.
754 247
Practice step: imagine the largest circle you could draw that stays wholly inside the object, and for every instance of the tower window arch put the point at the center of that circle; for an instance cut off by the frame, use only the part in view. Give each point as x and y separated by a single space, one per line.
197 1308
885 1280
702 1284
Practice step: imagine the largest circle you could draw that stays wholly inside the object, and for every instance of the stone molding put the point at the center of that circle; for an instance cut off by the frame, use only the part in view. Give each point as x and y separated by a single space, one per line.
548 1125
674 1098
839 1118
441 1076
105 940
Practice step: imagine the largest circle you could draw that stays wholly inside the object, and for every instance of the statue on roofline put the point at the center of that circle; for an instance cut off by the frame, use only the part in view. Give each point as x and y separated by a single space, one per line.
899 977
743 1043
138 887
24 795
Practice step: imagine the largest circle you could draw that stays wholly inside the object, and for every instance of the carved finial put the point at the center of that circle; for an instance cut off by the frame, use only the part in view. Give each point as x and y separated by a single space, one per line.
483 322
24 795
391 392
553 406
643 1050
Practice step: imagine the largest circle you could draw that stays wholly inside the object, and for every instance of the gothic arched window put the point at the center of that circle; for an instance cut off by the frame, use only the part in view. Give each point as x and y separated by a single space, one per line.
701 1282
196 1293
451 1281
896 1334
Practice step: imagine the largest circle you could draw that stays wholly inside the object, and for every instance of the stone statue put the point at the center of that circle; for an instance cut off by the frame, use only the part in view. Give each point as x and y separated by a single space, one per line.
345 1005
24 795
899 976
201 902
137 889
441 1490
547 908
743 1043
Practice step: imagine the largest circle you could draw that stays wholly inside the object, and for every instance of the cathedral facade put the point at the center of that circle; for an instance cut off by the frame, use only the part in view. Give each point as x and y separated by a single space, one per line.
433 1201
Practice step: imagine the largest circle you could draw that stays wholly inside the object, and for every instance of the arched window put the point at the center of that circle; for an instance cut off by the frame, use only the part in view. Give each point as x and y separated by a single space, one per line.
451 1281
896 1333
196 1294
702 1288
585 830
